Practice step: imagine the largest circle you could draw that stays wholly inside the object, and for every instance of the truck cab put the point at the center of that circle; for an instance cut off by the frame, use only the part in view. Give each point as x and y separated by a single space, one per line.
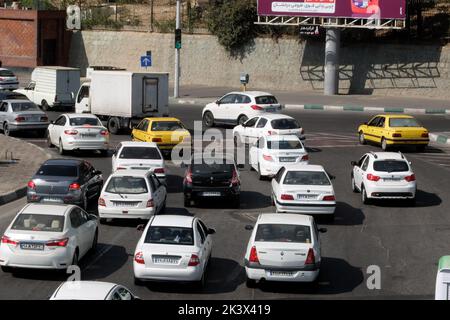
82 103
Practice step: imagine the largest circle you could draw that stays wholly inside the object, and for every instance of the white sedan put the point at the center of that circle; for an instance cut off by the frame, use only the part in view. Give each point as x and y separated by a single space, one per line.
131 194
283 247
48 236
78 132
92 290
271 153
237 107
266 125
303 189
8 80
173 248
139 156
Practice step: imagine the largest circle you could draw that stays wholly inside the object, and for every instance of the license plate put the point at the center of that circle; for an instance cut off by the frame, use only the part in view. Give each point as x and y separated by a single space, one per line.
391 179
211 194
48 199
140 168
88 135
270 110
286 159
306 196
165 260
281 273
31 246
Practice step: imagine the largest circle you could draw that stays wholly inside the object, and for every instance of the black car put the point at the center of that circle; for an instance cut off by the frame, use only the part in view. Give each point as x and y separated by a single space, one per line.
211 178
11 95
65 181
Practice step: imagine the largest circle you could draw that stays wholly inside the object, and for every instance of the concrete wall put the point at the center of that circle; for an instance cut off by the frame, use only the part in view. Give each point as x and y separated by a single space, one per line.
283 65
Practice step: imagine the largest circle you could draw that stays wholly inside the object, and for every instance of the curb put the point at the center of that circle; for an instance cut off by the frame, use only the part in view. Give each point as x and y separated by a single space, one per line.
440 139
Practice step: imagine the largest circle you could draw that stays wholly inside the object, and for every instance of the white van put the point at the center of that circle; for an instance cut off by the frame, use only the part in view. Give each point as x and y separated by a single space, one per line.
53 87
443 279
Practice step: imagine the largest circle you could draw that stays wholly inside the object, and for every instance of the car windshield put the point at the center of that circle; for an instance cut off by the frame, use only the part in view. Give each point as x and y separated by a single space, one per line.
127 185
266 100
403 123
307 178
58 170
283 233
212 168
170 235
38 222
166 125
284 145
84 121
390 166
6 73
140 153
285 124
24 106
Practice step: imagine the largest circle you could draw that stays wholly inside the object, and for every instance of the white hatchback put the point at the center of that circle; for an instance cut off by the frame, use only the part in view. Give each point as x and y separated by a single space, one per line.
139 156
271 153
384 175
48 236
237 107
304 189
266 125
131 194
283 247
92 290
78 132
173 248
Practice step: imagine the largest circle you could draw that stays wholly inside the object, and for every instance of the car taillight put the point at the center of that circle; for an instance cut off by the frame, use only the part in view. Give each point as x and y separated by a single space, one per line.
271 133
397 135
19 119
74 186
71 132
310 258
267 157
58 243
305 157
188 177
150 203
411 178
194 261
253 255
156 140
139 257
372 177
255 107
31 185
234 178
425 135
8 240
104 133
329 198
121 168
44 119
101 202
159 170
287 197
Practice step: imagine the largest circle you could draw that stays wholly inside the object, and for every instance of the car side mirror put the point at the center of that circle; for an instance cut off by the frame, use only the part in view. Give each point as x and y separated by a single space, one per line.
211 231
323 230
249 227
218 102
365 123
140 227
332 177
354 163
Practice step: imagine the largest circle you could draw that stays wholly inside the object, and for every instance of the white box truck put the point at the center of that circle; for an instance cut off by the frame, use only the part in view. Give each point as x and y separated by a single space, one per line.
122 98
52 87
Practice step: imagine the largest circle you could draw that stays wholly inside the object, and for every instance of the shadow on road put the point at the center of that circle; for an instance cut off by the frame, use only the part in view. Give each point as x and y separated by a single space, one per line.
345 215
249 200
423 200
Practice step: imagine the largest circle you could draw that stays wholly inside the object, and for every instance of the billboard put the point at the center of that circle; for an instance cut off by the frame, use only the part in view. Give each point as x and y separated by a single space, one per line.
380 9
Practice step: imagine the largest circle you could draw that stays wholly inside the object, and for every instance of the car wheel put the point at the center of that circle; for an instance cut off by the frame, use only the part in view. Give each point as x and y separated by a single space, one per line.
273 201
199 285
362 139
208 119
384 145
163 208
242 119
94 242
85 202
44 105
354 188
250 283
6 129
364 198
113 125
260 176
75 258
61 148
49 140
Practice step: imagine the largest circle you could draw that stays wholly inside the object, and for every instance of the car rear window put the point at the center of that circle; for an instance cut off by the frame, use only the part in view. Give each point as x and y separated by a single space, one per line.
140 153
283 233
38 222
6 73
84 121
390 166
166 125
266 100
213 168
24 106
284 145
403 122
58 170
285 124
170 235
307 178
127 185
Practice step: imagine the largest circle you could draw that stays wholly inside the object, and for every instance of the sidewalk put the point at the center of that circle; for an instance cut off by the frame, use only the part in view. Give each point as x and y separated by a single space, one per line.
315 100
19 161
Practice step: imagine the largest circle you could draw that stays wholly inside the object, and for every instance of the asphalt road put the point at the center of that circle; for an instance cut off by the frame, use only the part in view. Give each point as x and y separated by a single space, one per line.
405 242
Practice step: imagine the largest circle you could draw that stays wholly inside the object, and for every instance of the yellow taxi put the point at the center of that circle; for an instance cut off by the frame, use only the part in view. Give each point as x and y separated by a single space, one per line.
165 132
394 130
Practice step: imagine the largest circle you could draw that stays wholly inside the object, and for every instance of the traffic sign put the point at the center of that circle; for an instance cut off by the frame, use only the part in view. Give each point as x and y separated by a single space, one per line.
146 61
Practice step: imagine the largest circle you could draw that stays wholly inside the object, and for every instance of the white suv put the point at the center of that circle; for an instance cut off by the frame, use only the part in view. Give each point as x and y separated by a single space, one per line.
237 107
384 175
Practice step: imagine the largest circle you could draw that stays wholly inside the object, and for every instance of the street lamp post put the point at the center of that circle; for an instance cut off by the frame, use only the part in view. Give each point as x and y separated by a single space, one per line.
176 91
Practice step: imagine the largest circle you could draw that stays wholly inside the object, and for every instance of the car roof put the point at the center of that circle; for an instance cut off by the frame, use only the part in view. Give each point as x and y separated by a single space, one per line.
394 116
162 119
82 115
275 116
305 167
18 101
138 144
251 93
282 137
48 209
285 218
68 162
387 155
173 221
130 173
88 290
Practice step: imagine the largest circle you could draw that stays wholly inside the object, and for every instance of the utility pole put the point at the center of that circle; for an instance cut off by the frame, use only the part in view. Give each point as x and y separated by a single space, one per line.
332 47
176 91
